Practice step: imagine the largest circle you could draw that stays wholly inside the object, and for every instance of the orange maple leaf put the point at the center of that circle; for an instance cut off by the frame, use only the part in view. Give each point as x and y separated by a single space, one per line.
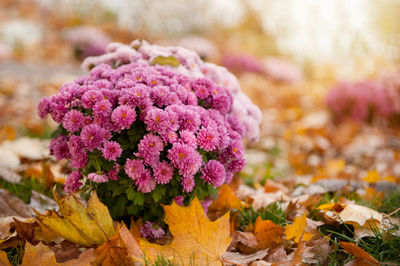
268 234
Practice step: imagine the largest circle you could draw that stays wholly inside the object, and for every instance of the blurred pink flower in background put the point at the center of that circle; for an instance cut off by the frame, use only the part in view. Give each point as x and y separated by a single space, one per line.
281 70
5 51
361 100
240 63
87 41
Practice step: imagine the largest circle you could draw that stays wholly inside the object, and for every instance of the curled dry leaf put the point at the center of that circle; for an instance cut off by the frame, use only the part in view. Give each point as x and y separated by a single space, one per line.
91 225
241 259
197 240
245 242
360 215
359 253
316 251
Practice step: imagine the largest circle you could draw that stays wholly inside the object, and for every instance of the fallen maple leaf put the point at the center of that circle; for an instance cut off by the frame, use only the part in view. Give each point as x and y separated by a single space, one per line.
268 234
197 240
352 249
91 225
296 230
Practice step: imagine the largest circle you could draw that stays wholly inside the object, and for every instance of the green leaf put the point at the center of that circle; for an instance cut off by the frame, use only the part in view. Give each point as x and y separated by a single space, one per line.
135 196
159 193
162 60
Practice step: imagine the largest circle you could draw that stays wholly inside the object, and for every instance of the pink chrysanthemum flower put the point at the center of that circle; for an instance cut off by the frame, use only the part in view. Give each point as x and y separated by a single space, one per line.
202 87
43 107
134 168
98 178
91 97
111 150
72 183
163 172
123 116
59 147
179 200
113 173
102 108
190 121
73 120
145 182
188 184
188 138
213 173
157 120
151 230
149 148
92 136
208 138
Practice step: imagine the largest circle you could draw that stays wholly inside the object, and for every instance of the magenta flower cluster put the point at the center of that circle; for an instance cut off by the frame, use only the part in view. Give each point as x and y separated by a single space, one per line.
181 127
190 65
361 101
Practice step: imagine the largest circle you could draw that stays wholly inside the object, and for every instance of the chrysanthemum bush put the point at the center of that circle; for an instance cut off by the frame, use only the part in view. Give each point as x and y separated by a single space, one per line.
145 131
363 100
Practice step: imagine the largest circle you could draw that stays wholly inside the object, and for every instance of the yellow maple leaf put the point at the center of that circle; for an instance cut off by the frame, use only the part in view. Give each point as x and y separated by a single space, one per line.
91 225
372 177
197 240
296 229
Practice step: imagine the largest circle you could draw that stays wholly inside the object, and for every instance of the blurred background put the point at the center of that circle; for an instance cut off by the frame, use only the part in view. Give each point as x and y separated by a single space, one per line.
291 58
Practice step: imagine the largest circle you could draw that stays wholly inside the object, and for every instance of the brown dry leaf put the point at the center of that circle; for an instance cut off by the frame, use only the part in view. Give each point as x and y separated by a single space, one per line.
226 200
197 240
277 255
316 251
296 230
3 259
246 242
112 253
268 234
237 258
352 249
11 205
297 259
91 225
